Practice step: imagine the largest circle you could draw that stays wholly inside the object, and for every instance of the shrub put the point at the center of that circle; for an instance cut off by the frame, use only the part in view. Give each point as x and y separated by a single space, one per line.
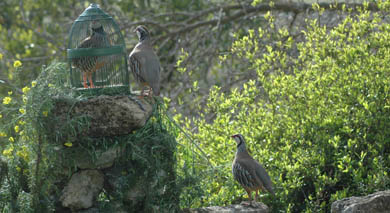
318 120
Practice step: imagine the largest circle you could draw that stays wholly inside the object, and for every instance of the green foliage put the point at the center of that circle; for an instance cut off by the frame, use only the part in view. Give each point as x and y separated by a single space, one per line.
37 160
148 161
25 149
315 112
316 116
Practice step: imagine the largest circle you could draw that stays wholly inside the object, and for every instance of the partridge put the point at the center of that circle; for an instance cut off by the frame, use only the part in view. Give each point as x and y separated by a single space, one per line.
248 172
144 63
89 64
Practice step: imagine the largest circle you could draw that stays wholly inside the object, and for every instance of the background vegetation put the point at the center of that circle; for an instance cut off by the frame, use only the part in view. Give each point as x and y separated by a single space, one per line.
314 106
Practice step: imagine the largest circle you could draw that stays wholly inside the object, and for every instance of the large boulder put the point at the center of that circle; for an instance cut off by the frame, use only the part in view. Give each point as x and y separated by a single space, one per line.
106 115
378 202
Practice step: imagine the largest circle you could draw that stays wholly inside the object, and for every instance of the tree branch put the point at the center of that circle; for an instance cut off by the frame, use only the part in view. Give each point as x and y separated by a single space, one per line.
246 9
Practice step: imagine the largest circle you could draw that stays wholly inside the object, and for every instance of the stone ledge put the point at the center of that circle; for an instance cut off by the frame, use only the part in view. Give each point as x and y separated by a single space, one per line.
107 115
378 202
260 208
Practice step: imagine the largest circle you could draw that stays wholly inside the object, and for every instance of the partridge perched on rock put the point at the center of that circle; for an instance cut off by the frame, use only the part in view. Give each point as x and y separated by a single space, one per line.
248 172
89 64
144 63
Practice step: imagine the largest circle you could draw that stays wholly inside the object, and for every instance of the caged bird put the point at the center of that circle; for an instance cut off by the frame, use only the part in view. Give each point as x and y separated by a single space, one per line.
144 63
248 172
90 64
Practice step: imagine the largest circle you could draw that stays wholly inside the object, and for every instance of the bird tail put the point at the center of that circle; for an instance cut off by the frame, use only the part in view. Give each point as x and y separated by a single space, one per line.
269 188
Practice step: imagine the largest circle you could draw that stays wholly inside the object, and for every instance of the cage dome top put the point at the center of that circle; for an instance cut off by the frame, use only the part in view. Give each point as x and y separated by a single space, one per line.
93 12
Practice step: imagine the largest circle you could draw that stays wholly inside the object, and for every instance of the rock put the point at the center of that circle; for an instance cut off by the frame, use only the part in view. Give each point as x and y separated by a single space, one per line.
103 159
378 202
82 189
260 208
107 115
136 193
91 210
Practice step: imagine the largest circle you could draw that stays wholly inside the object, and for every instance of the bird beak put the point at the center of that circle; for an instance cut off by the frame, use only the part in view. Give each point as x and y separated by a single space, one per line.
135 30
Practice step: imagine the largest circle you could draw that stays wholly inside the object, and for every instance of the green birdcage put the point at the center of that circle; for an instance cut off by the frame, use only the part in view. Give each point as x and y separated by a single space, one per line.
97 54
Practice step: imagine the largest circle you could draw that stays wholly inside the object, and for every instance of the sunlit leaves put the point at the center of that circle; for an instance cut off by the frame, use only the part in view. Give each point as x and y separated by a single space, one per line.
319 121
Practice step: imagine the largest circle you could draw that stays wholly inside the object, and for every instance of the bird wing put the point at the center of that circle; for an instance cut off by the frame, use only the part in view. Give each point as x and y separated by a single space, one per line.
136 62
86 43
77 62
263 176
242 175
96 40
152 71
257 171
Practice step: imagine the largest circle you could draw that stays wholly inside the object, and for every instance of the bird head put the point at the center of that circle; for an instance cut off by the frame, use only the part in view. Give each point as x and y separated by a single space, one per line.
97 27
239 139
241 147
142 32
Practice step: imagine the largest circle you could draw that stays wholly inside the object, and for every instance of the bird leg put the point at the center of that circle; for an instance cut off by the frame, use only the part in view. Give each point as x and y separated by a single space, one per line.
90 80
85 80
97 66
255 204
250 198
143 90
87 76
141 94
150 92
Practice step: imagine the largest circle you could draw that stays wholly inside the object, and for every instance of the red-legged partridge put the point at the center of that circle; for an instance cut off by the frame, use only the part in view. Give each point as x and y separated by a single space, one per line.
248 172
144 63
89 64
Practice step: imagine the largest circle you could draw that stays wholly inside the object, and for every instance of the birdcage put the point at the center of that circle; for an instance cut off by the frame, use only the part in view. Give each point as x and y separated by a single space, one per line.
97 54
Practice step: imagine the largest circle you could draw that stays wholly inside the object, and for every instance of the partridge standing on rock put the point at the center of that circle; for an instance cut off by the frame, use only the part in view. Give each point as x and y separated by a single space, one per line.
89 64
144 63
248 172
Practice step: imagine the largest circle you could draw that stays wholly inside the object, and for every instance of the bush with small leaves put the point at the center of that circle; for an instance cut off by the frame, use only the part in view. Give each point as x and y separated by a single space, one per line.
318 120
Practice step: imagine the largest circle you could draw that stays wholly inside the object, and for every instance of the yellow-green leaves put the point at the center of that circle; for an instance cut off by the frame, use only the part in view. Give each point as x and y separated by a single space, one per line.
256 2
316 112
184 55
45 113
68 144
